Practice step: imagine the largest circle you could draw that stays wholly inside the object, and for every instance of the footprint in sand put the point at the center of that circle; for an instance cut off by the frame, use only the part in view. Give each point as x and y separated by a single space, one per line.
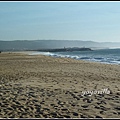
75 114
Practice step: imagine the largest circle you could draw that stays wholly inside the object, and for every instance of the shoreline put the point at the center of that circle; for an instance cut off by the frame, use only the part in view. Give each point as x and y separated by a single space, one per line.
45 87
30 53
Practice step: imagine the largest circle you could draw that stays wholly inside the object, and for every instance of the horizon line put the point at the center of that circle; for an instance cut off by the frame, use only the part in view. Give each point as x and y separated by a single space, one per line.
57 40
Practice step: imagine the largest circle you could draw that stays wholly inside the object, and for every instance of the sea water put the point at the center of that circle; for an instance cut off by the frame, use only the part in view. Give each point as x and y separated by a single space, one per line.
111 56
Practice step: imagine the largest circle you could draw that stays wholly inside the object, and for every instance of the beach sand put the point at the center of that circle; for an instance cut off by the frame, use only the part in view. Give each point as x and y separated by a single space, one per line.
45 87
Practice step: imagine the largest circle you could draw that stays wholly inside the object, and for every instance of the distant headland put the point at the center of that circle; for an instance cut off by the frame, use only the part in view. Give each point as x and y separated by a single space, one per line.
65 49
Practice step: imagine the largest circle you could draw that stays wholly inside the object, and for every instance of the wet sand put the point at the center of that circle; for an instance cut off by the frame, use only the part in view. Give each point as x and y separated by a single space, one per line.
44 87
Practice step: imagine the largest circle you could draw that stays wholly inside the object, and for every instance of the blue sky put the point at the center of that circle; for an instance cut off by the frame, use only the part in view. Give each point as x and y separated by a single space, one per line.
95 21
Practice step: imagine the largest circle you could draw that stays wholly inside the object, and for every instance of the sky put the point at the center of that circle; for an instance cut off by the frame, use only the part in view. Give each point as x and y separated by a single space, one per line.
88 21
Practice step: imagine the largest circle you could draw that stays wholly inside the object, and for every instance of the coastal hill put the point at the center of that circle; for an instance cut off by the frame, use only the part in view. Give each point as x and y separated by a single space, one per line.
18 45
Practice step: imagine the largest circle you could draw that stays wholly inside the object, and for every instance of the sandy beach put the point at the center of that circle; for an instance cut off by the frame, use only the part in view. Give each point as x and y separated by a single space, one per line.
45 87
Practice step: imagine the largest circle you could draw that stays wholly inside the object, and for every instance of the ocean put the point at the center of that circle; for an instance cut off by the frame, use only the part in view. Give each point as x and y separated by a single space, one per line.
109 56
